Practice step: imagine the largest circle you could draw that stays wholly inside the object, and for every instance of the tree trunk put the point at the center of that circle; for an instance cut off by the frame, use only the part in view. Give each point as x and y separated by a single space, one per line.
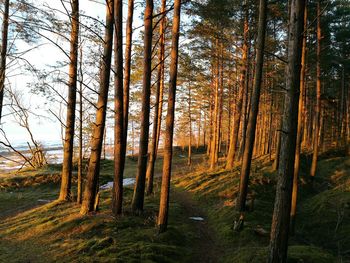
5 26
80 161
67 166
128 47
139 190
189 157
318 95
213 148
299 129
168 140
250 136
199 126
238 107
117 192
281 213
158 106
91 187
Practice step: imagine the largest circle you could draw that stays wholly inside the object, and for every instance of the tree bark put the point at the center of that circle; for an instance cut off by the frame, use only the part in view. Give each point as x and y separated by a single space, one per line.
238 107
67 166
5 26
213 148
139 190
281 213
299 129
80 161
117 192
318 95
91 187
250 136
158 105
127 69
168 140
189 157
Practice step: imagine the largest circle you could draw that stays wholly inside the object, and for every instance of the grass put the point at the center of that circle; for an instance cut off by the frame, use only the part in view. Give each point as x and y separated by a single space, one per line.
35 231
56 232
32 230
323 220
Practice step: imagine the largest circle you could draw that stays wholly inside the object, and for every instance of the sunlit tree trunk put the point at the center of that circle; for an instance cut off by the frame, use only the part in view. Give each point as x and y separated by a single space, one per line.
318 95
281 214
139 190
299 129
117 192
250 136
189 157
158 108
213 148
199 125
278 145
67 165
91 187
169 130
5 25
80 160
221 100
128 47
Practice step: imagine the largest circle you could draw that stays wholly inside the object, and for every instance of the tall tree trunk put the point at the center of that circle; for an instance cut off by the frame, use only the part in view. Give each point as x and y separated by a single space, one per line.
238 107
119 153
139 190
91 187
80 161
127 69
158 105
300 127
281 213
347 124
67 166
318 95
250 136
5 26
189 157
169 130
199 126
245 107
221 104
278 145
213 148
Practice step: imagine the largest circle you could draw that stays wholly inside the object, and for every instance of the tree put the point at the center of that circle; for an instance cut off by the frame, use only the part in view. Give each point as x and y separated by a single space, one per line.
158 108
318 95
169 129
127 69
91 188
238 106
5 25
300 126
253 113
67 166
139 190
117 196
80 160
281 212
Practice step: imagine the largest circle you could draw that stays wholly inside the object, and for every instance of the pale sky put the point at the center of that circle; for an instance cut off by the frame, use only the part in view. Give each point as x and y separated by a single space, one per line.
47 129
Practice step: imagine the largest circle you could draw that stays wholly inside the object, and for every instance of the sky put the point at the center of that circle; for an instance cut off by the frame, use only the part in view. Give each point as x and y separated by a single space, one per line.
46 129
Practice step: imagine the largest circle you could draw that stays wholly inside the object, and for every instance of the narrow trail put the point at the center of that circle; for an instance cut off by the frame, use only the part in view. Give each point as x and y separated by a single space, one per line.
207 248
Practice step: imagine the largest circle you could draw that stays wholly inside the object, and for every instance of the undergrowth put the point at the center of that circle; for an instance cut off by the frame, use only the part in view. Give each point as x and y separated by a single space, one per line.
323 219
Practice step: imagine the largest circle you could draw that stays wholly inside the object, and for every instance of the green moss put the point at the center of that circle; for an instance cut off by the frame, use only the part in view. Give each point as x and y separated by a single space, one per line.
309 254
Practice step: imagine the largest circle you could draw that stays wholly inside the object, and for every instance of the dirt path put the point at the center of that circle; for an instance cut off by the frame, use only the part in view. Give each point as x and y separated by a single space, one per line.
207 248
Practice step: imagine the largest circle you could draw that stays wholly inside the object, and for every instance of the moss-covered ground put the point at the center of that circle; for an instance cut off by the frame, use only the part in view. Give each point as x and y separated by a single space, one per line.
322 231
35 228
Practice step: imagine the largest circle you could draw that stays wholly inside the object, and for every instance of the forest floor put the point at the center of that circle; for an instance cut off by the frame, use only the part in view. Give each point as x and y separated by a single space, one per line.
35 228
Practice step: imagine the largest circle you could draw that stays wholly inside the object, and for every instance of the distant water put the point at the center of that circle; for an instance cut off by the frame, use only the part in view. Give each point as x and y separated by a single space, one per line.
10 161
